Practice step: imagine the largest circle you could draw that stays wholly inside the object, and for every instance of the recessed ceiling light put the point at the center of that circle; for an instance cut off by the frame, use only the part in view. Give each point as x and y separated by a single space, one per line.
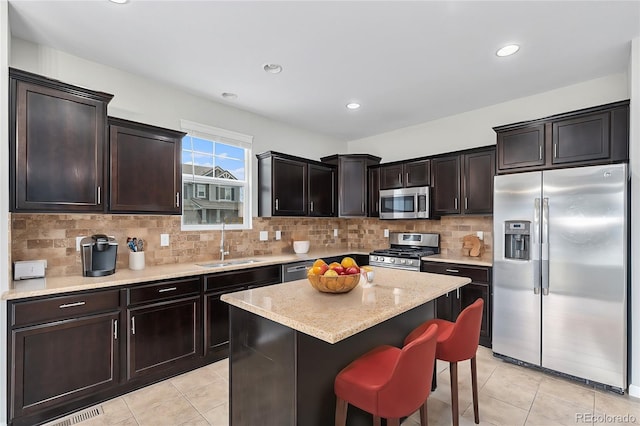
353 105
230 96
272 68
119 1
507 50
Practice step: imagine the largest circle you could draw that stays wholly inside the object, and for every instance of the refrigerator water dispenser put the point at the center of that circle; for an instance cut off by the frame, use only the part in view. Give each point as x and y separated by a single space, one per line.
517 236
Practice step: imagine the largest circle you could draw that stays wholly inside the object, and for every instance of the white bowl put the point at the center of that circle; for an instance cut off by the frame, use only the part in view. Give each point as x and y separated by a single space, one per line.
301 246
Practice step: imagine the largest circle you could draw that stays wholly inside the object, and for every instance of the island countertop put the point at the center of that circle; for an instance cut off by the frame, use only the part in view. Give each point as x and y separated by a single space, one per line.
334 317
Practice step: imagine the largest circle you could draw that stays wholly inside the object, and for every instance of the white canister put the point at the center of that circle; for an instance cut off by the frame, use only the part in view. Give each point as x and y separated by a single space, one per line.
136 260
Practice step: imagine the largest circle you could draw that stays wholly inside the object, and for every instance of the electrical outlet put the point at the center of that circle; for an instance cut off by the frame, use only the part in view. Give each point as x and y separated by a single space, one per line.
386 233
264 235
335 232
164 240
78 239
480 235
278 235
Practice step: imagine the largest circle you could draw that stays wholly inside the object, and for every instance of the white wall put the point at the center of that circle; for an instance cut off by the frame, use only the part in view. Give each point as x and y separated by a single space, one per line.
474 128
152 102
4 201
634 139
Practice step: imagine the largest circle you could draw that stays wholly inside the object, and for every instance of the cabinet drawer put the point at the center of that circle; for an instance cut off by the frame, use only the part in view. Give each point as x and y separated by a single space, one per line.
163 290
58 308
264 275
477 274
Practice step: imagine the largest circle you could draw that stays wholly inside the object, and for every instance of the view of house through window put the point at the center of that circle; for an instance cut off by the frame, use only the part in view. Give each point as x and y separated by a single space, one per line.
214 180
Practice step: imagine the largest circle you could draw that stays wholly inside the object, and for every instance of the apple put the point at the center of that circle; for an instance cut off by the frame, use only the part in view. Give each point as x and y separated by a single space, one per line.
352 270
339 269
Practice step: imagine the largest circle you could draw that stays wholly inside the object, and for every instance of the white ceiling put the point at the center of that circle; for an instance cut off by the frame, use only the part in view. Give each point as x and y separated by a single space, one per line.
405 62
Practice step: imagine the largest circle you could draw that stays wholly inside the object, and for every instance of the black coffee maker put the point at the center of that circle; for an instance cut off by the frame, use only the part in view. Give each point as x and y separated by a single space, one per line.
98 254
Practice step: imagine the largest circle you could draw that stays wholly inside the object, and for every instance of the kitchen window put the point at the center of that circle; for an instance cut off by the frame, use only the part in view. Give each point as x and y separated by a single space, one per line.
216 166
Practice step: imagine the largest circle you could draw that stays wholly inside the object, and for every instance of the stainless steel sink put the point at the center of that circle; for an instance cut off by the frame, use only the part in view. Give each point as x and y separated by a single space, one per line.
228 263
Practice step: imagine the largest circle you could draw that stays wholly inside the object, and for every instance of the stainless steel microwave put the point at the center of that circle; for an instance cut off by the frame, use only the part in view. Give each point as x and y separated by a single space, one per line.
405 203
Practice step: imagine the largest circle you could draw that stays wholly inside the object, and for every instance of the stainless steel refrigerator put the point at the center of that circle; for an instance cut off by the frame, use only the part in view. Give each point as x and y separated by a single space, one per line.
560 271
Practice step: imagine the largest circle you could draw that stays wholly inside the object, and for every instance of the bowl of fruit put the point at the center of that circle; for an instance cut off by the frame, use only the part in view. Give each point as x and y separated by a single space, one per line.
335 277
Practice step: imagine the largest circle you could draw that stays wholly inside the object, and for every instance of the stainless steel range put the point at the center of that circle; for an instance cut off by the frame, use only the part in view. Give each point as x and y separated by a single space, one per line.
406 250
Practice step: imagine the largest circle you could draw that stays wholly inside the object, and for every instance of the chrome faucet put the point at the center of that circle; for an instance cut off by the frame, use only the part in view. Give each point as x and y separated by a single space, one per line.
222 250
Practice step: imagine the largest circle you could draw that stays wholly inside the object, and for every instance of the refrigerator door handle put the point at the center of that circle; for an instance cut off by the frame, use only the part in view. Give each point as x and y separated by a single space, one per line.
544 242
535 246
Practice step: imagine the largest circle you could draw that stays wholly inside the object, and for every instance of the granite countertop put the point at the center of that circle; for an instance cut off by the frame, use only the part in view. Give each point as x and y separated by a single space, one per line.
484 260
334 317
123 276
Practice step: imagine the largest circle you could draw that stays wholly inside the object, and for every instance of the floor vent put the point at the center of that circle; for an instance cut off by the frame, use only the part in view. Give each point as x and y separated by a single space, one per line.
78 417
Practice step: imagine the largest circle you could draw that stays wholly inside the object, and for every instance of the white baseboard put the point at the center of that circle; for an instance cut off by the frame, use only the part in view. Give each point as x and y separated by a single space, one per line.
634 390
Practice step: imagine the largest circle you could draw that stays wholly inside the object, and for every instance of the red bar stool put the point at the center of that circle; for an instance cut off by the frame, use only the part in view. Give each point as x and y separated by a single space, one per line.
389 382
457 342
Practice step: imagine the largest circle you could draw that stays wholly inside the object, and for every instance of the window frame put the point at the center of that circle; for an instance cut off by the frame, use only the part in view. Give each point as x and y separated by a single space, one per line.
227 137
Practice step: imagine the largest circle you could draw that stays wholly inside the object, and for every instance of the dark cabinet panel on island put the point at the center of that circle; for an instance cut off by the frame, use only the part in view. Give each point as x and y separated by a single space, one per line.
145 168
57 136
449 306
216 322
590 136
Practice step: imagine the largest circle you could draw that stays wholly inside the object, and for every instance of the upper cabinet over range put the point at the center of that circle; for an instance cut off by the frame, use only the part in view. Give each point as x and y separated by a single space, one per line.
596 135
405 174
57 138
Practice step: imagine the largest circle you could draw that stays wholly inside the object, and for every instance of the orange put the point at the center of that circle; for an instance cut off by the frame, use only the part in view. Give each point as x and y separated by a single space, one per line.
348 262
330 273
319 262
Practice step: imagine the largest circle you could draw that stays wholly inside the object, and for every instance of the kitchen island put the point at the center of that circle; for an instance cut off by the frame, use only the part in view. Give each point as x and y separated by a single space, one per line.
288 341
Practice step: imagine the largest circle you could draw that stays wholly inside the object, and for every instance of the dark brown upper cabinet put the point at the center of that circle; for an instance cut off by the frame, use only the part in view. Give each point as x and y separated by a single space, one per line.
57 145
294 186
405 175
463 182
374 191
353 186
591 136
145 168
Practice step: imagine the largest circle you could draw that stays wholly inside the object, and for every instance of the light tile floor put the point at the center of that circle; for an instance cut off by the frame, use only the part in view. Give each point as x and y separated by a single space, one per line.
508 394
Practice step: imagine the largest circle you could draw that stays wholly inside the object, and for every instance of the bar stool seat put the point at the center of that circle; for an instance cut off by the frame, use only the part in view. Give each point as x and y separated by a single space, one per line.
457 342
389 382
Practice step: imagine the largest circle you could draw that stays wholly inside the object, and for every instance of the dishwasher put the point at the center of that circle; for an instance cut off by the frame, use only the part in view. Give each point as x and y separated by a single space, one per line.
296 270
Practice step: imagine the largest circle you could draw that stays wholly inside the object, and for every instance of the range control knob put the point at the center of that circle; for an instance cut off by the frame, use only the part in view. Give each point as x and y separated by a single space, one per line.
402 261
392 260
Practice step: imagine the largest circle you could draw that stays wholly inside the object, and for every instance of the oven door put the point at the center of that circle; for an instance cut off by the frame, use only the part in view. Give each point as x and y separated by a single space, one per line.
404 203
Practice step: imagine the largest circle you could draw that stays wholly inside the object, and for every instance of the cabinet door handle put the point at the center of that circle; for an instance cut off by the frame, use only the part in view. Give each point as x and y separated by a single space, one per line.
407 181
312 206
458 292
177 199
276 204
540 152
115 329
99 195
555 150
133 325
466 203
163 290
455 203
71 305
454 271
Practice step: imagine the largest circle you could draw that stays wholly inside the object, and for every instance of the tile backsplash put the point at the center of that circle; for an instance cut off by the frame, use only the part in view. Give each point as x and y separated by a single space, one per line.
53 236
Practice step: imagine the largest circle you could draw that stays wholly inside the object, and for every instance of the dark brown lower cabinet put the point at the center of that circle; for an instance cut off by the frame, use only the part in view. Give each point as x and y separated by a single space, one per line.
162 335
450 305
61 349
